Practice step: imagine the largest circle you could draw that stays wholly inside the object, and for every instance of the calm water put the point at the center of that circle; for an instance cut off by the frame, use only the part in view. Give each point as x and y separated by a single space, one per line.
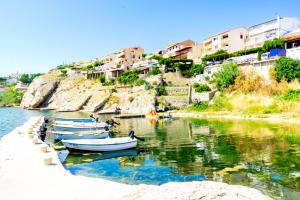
261 155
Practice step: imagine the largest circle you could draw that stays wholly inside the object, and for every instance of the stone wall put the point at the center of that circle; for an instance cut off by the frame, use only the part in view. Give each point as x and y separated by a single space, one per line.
175 102
203 96
177 90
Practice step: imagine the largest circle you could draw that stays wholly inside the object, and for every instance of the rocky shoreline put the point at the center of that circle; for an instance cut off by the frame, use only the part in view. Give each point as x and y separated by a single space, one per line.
23 175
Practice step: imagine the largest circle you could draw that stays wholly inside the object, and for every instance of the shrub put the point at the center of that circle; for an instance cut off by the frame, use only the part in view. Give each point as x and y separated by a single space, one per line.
109 82
226 77
195 85
10 96
220 103
155 71
198 106
291 95
64 72
28 78
219 55
140 82
287 68
102 79
160 90
197 69
128 77
202 88
97 63
246 83
148 86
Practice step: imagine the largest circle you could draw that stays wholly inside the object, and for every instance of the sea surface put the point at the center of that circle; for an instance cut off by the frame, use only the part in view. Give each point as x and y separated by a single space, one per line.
261 155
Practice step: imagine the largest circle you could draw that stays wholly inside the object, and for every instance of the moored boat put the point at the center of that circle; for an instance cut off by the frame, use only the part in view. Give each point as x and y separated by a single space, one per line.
108 144
86 120
67 135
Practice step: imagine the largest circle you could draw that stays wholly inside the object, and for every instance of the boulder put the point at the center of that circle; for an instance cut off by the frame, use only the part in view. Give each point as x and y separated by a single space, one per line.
39 91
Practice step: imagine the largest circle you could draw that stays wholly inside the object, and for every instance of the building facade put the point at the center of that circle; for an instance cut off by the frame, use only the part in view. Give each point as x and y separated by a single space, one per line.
178 50
127 56
230 41
269 30
196 53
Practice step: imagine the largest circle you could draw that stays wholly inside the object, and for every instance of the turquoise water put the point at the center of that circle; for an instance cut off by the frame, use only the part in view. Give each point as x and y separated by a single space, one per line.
262 155
10 118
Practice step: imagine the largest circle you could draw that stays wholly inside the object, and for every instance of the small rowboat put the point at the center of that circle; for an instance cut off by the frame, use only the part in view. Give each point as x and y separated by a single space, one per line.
87 120
108 144
80 126
66 135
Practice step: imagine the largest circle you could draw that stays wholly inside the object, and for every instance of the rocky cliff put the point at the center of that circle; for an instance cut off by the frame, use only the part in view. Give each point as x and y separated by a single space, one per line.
74 94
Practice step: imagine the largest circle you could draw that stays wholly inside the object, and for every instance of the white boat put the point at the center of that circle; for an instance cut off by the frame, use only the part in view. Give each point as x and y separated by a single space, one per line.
68 135
80 126
86 120
108 144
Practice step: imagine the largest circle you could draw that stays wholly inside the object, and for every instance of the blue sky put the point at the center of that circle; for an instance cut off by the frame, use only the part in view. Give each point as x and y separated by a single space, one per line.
36 35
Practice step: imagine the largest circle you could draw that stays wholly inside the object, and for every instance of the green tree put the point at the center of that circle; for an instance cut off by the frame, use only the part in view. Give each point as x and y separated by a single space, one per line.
25 78
64 72
226 76
287 68
155 71
128 77
102 79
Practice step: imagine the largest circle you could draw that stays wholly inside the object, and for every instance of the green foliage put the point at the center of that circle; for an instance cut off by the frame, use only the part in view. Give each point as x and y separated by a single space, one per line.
195 85
272 44
197 69
102 79
220 103
245 52
97 63
10 97
128 77
109 82
155 71
90 67
60 67
226 76
28 78
198 106
63 72
202 88
148 86
259 55
160 90
3 79
219 55
291 95
287 68
140 82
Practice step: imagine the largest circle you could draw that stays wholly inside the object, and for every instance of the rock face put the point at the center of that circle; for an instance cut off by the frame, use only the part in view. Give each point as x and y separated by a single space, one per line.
71 94
134 100
74 94
38 92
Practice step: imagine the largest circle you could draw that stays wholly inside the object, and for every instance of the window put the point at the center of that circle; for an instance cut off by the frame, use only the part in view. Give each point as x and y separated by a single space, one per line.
214 39
241 36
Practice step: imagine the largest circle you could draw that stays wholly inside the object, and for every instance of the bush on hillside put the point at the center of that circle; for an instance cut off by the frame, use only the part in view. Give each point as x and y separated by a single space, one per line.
140 82
287 68
63 72
28 78
226 76
10 96
102 79
160 90
155 71
202 88
128 77
291 95
246 83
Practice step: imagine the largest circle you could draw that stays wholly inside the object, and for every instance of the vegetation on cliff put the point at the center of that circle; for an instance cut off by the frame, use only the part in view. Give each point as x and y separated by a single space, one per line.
10 96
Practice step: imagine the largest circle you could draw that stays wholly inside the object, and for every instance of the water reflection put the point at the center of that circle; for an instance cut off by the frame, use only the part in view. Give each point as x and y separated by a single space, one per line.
262 155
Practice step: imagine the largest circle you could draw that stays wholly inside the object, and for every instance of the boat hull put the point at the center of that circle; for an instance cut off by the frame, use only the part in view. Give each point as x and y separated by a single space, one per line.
62 136
99 147
85 120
